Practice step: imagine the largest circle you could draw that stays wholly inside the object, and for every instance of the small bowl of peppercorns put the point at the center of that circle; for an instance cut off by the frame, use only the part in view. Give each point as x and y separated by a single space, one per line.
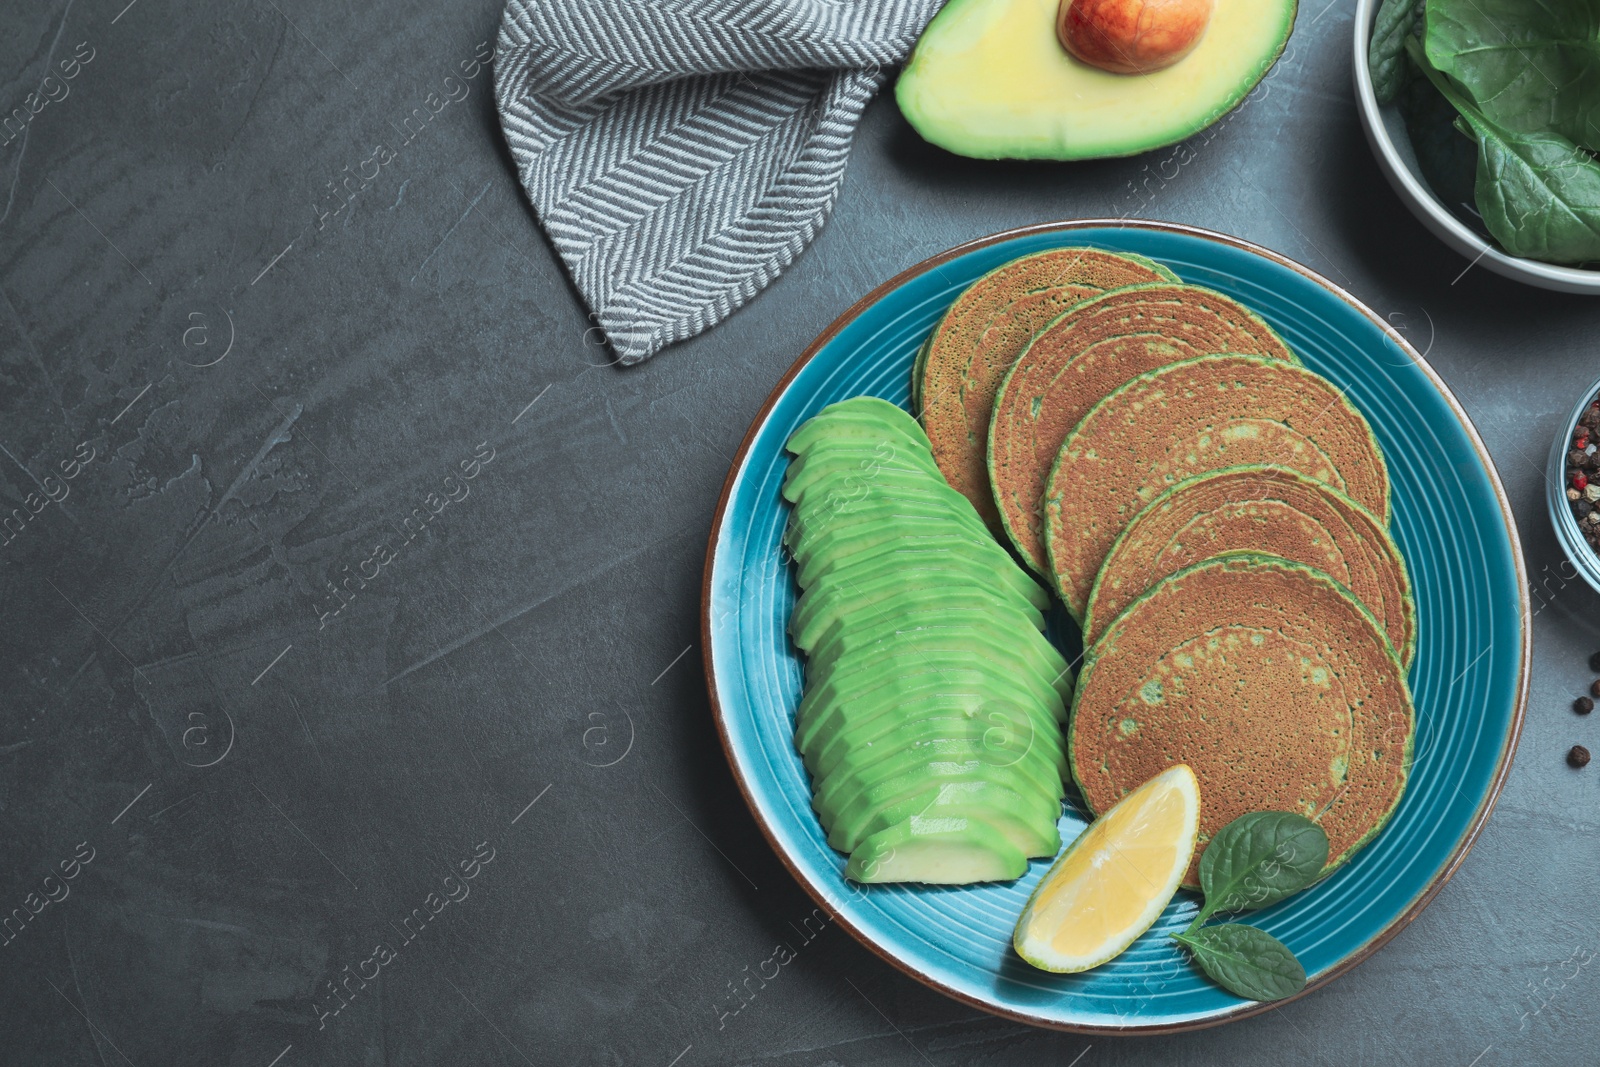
1574 486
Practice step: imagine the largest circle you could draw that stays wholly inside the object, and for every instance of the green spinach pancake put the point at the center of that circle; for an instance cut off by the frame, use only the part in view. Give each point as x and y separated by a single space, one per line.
1082 357
960 367
1270 680
1186 419
1271 510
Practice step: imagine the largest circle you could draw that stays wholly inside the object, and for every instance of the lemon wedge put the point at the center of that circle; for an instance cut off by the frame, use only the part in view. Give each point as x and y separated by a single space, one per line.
1111 884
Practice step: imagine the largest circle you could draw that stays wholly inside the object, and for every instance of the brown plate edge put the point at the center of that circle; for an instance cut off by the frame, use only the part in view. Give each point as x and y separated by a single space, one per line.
1508 749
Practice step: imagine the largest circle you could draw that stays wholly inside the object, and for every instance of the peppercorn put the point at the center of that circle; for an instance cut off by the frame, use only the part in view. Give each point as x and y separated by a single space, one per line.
1578 757
1580 441
1573 494
1576 457
1583 508
1580 482
1583 705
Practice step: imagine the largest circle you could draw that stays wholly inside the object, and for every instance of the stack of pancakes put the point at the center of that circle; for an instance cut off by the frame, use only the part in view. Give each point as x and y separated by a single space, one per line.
1214 515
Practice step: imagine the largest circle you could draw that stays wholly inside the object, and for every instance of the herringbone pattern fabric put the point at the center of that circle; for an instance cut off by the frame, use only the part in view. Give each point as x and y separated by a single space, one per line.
681 153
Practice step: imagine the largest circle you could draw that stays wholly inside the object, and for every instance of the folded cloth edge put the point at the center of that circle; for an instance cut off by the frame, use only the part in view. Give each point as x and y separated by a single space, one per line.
641 307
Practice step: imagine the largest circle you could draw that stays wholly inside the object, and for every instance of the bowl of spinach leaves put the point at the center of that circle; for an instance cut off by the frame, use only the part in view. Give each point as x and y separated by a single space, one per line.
1485 117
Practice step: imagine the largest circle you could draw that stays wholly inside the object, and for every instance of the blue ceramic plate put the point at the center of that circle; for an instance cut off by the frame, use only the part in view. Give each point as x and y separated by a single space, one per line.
1470 677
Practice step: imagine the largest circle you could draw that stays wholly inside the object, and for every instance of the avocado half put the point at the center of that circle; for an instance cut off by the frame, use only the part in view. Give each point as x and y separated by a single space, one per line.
989 79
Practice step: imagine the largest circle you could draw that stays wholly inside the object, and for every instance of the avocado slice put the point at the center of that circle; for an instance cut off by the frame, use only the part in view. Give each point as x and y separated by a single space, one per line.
825 602
882 616
925 565
833 679
1027 819
938 744
849 815
966 690
1034 661
1013 739
931 742
843 468
938 851
913 562
926 665
864 417
1025 695
882 483
943 628
879 502
989 79
850 484
920 780
848 545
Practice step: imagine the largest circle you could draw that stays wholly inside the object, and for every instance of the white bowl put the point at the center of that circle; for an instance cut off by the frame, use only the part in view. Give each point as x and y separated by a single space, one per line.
1386 133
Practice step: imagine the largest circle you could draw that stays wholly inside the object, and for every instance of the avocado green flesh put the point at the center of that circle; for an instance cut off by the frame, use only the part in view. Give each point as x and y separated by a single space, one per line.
931 714
856 680
941 574
820 511
849 816
873 579
935 563
1036 658
1011 730
812 517
971 689
849 546
934 742
874 598
937 851
850 468
831 728
915 602
941 626
874 421
989 79
841 539
1027 819
849 486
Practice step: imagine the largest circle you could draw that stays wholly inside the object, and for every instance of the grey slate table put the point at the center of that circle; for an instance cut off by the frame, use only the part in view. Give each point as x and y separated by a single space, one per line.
254 781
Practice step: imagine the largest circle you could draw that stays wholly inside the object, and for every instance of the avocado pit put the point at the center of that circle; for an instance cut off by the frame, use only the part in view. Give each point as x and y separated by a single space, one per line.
1132 36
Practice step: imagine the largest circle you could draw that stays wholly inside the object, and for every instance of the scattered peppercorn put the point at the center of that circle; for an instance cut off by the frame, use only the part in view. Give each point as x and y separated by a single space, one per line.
1578 757
1594 690
1594 663
1583 705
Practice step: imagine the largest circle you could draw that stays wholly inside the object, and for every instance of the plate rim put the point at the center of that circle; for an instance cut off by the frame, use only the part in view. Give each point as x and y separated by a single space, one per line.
1508 747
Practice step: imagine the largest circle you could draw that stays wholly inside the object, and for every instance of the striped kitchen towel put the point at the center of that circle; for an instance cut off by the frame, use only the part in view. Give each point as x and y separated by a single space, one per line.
681 153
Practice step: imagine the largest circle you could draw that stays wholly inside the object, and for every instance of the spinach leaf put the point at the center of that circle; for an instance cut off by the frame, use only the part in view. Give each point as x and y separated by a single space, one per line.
1447 158
1258 859
1248 962
1538 192
1529 67
1386 53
